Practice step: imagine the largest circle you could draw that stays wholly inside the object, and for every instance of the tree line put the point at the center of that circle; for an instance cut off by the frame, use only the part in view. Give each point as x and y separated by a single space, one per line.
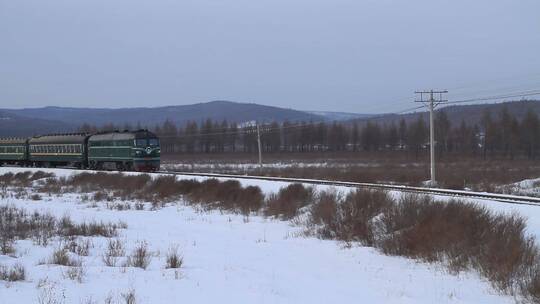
497 134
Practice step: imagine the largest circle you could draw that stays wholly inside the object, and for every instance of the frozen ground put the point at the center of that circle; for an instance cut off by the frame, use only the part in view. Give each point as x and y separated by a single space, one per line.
231 259
530 187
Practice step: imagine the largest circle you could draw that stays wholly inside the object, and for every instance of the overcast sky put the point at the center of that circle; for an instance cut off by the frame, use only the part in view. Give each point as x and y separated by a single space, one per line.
338 55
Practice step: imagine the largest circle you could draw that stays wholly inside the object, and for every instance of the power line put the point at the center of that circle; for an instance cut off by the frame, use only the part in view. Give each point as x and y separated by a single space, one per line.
496 97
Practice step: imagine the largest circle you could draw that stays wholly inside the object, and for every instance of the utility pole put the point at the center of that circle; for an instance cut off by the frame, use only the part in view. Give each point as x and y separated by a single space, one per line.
431 104
259 144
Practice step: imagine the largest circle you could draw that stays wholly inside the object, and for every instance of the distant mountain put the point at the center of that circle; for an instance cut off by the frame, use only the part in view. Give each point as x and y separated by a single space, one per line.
331 116
55 118
471 114
27 122
12 125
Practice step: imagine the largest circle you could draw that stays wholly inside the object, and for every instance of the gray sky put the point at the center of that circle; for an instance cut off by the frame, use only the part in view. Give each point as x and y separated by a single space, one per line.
337 55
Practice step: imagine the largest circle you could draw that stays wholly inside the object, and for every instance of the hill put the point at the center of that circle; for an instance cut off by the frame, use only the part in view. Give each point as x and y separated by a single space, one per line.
14 125
47 119
471 114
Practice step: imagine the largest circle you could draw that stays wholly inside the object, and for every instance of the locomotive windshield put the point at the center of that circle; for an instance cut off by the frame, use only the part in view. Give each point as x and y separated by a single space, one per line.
153 142
141 142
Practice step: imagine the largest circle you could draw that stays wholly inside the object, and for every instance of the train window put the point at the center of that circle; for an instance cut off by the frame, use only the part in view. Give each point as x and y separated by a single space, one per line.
154 142
140 142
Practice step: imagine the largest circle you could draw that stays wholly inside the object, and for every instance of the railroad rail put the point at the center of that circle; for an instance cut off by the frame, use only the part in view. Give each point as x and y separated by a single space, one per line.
504 198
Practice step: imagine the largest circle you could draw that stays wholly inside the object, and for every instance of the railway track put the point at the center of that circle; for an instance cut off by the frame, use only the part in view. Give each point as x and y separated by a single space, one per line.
504 198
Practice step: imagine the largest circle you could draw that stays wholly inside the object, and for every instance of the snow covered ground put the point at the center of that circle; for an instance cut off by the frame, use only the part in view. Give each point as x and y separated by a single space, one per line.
231 259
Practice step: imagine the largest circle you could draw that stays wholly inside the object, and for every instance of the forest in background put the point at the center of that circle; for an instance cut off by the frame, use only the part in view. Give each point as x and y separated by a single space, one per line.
499 134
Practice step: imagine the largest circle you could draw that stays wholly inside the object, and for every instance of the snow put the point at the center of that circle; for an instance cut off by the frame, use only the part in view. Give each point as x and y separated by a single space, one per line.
232 259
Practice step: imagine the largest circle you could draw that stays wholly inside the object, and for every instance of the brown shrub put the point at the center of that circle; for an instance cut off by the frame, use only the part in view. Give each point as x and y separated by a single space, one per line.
228 195
140 257
61 257
174 259
461 235
287 202
14 273
358 214
324 213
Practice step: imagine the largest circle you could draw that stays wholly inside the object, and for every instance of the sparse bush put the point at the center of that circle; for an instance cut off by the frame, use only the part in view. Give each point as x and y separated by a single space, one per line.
140 257
76 273
80 247
174 259
100 196
61 257
288 201
6 245
13 273
115 249
129 297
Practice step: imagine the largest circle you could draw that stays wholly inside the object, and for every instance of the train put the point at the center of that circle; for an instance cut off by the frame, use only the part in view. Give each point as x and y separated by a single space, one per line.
118 150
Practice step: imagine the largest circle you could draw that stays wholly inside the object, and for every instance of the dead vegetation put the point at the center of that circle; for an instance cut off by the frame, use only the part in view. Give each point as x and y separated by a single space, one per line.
115 250
460 235
288 201
13 273
174 258
463 236
140 257
18 224
455 171
116 188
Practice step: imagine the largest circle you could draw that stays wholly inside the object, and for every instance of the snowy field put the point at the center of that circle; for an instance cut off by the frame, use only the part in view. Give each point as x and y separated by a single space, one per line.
233 259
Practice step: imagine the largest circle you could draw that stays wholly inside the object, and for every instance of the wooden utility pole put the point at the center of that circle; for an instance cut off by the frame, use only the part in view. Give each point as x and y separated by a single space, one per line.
259 145
431 104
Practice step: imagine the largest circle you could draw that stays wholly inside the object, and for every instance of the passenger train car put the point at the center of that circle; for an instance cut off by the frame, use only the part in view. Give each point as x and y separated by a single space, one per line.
127 150
13 150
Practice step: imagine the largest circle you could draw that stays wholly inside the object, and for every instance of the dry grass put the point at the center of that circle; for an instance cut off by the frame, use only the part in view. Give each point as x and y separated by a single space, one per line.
62 257
174 258
23 179
454 171
17 224
81 247
140 256
115 249
13 273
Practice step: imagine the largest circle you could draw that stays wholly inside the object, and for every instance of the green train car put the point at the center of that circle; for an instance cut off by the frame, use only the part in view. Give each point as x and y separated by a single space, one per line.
13 151
58 150
139 151
128 150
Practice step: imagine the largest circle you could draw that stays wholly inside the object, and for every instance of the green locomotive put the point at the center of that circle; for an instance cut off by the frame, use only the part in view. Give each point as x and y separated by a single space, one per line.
127 150
137 151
